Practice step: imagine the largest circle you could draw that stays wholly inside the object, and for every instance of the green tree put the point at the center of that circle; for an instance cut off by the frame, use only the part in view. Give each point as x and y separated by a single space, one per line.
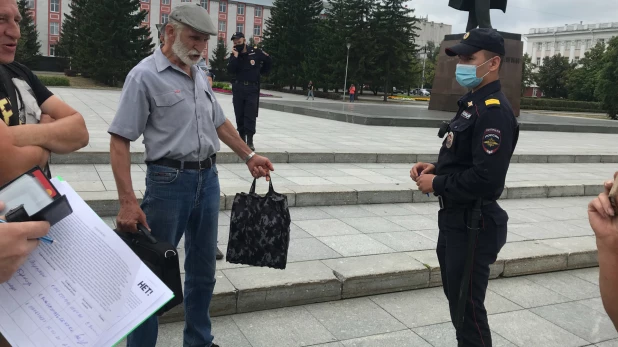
108 55
527 73
552 76
70 33
393 36
607 87
357 19
583 80
218 62
291 28
28 46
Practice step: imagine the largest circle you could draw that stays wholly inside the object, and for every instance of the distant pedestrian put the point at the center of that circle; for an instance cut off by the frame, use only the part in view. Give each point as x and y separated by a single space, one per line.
311 88
352 92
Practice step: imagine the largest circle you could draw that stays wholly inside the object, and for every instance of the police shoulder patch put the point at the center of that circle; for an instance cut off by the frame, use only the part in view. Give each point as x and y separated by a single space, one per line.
491 140
492 103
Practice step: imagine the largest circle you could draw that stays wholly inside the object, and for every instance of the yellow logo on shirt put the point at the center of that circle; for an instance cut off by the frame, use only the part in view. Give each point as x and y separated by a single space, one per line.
7 111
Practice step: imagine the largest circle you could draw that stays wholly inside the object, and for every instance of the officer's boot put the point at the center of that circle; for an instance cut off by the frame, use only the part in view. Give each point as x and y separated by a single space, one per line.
250 142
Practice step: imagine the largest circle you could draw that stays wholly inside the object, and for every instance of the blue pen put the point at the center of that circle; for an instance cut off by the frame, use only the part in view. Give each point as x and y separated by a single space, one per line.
44 239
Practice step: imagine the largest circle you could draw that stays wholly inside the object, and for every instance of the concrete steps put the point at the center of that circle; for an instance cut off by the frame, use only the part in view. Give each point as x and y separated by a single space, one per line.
226 156
344 184
361 256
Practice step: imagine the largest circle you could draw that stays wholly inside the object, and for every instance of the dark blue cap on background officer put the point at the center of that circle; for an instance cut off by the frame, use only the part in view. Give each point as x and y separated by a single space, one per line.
246 64
469 176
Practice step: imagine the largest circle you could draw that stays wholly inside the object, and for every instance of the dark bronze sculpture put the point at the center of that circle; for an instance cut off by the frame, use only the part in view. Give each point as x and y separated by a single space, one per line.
478 11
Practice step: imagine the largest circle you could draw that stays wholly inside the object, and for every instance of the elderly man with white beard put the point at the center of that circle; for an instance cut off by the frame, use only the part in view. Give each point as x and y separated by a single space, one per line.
167 99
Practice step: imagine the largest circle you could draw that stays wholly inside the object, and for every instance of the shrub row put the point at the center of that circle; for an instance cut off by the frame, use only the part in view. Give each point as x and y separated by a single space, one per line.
55 81
560 105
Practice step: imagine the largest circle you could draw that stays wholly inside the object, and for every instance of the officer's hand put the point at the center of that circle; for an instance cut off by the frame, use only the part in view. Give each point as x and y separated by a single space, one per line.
421 169
17 241
603 220
425 183
260 167
129 216
235 52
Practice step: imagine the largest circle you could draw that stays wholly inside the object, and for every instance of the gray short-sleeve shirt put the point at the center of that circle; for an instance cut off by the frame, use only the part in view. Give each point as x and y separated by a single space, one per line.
177 115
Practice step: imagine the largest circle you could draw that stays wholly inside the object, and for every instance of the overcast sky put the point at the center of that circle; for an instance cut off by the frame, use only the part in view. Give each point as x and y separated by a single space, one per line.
521 15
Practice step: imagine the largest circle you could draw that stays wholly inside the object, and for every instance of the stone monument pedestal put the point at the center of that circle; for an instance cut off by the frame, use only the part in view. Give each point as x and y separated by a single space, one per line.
446 91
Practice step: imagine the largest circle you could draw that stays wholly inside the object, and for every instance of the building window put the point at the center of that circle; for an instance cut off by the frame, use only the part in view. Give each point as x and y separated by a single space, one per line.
241 9
30 4
223 7
204 4
52 50
240 28
54 5
146 1
258 11
164 17
538 61
576 60
54 28
165 2
222 26
257 30
185 0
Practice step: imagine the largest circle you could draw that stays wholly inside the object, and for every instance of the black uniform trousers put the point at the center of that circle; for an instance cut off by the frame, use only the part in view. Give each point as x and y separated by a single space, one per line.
452 252
245 99
479 15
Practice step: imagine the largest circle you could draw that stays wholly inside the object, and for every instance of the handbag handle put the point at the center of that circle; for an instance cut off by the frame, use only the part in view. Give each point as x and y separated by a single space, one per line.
270 187
142 229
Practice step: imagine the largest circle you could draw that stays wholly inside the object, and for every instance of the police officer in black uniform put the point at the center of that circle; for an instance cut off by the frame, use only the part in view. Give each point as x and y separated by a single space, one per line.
247 63
468 179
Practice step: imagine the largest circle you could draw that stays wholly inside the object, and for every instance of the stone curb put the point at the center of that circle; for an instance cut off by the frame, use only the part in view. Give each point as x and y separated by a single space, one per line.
249 289
423 122
106 204
226 157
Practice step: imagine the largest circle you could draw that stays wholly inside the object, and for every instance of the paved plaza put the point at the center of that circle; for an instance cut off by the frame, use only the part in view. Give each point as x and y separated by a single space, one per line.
561 309
280 131
362 269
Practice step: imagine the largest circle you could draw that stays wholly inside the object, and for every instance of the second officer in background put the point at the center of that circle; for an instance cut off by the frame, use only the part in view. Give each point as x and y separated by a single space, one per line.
246 64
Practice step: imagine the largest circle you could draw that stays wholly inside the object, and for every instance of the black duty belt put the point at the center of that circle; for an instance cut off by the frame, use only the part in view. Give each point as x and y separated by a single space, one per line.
246 83
186 165
450 204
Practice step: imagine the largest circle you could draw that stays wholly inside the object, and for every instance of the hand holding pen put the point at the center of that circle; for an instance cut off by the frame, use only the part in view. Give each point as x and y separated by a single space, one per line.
44 239
17 241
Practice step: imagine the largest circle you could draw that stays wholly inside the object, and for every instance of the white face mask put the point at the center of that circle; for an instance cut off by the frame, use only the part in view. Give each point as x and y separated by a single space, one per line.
183 52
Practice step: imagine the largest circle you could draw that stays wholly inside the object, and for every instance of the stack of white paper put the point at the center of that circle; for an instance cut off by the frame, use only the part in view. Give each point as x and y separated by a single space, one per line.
87 289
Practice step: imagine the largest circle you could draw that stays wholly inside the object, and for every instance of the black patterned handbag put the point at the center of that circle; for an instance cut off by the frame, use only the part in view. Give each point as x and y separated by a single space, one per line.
259 229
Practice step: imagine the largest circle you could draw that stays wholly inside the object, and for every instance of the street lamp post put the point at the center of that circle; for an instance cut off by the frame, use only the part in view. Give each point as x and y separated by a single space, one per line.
345 83
424 58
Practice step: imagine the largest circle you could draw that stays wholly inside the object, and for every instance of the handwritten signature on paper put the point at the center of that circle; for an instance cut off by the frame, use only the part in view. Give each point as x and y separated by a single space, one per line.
35 266
21 274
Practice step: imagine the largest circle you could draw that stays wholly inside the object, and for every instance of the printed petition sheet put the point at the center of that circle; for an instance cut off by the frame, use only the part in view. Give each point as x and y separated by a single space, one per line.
86 289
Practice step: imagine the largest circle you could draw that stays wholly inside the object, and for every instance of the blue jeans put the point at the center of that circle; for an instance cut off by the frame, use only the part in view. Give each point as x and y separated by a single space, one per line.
178 202
351 97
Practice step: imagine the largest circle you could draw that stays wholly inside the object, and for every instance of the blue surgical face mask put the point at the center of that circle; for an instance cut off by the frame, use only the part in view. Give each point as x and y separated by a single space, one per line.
466 75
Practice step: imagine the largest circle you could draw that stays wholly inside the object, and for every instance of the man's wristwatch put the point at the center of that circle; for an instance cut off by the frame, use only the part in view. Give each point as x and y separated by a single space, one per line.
251 155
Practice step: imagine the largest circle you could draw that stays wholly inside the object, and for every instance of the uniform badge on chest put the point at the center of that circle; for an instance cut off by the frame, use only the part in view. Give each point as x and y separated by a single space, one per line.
449 139
466 114
252 62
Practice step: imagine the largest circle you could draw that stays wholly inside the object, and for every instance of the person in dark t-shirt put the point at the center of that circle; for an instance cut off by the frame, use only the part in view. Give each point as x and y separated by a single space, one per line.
34 116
